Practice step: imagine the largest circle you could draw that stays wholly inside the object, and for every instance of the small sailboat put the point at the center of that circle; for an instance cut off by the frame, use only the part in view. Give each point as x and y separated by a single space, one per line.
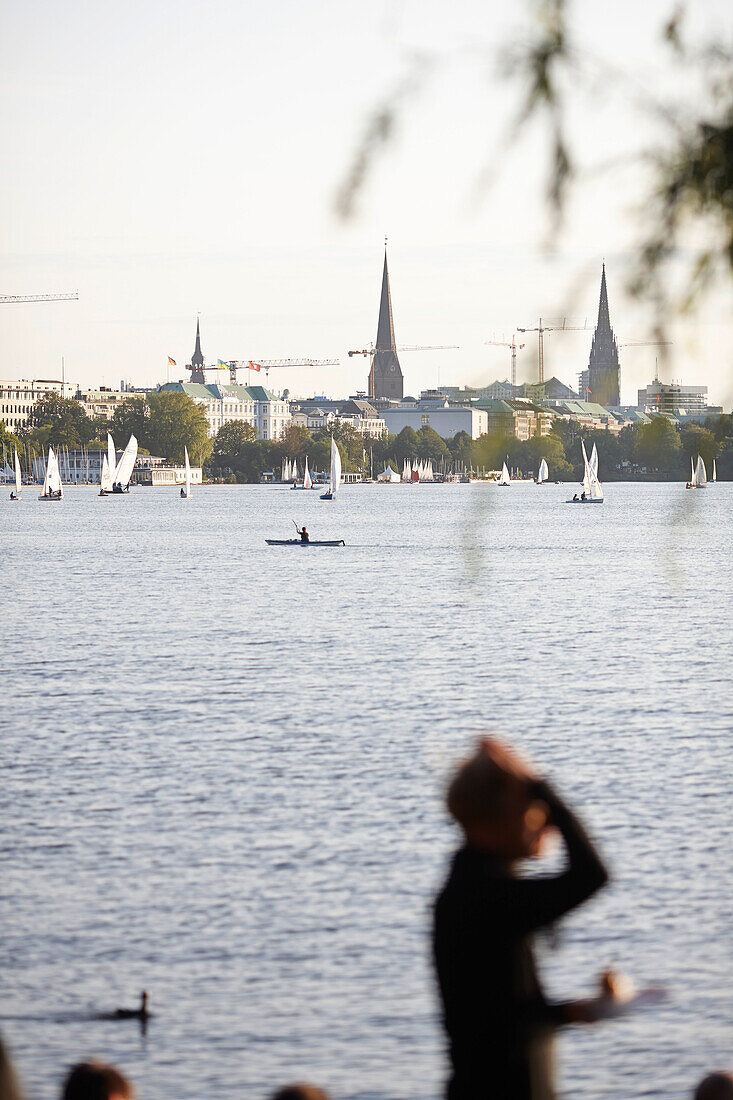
543 473
713 476
504 479
307 479
592 488
186 490
699 479
18 480
335 472
123 471
52 487
105 480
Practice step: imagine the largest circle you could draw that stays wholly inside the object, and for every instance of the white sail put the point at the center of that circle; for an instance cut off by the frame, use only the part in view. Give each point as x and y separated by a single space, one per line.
700 477
111 454
125 466
335 466
307 483
586 470
19 481
52 480
543 472
188 471
713 477
504 479
593 460
105 481
692 470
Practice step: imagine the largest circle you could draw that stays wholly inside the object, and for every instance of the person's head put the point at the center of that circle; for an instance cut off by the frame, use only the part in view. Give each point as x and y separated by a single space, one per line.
716 1086
300 1092
491 798
96 1081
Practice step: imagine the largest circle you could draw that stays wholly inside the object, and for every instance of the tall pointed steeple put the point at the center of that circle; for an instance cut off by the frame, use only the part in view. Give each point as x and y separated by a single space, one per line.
603 365
385 375
197 359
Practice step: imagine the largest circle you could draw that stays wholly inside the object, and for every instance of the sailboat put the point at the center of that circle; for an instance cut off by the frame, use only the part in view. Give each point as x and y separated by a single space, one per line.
593 460
699 478
543 473
105 480
335 472
123 471
307 480
52 487
592 488
186 490
18 480
504 479
713 476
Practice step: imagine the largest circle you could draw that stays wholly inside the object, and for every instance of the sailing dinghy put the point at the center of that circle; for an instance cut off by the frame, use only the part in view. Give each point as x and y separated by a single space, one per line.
592 488
504 479
699 475
18 480
543 473
123 472
186 490
335 472
52 487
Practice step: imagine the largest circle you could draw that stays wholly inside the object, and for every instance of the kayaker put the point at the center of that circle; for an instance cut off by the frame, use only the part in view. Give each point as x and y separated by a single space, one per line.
303 532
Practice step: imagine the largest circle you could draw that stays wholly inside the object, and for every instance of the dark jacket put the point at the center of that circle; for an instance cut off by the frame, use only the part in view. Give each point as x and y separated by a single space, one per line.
498 1021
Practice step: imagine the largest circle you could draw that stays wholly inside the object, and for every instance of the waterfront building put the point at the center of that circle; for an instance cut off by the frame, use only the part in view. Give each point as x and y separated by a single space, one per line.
385 374
520 418
601 384
589 414
672 399
17 398
268 413
323 414
436 413
101 402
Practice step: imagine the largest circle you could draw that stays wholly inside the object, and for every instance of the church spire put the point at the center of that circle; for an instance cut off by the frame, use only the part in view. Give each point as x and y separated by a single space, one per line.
197 359
604 320
385 376
603 374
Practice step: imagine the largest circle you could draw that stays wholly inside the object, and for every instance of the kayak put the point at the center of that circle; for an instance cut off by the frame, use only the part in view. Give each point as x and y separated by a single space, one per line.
298 542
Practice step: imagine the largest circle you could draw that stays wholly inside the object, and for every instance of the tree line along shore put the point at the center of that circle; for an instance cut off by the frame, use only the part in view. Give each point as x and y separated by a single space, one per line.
165 423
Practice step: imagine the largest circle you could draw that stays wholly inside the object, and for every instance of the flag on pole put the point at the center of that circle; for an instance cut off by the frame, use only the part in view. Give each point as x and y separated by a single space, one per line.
253 366
171 362
222 364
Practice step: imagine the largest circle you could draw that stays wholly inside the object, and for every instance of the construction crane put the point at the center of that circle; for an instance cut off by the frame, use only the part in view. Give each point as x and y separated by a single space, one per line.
514 345
267 364
8 298
541 330
371 350
646 344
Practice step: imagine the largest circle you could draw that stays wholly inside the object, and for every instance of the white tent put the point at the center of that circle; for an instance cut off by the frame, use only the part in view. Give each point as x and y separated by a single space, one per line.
388 475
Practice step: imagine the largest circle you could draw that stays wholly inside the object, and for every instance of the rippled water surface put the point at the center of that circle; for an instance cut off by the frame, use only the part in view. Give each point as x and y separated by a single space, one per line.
224 764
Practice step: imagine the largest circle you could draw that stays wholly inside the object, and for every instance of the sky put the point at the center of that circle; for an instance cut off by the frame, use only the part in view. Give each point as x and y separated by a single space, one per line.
179 160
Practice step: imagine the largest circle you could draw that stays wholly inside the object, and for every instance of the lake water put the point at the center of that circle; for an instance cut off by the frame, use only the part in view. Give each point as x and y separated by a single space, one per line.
224 767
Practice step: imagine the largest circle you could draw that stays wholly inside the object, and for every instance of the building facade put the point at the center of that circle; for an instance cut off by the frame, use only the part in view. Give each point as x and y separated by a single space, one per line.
102 402
671 399
447 420
17 398
268 413
520 418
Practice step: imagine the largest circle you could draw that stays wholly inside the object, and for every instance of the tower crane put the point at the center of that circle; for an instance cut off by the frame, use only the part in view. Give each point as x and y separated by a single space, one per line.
406 347
514 345
267 364
541 330
8 298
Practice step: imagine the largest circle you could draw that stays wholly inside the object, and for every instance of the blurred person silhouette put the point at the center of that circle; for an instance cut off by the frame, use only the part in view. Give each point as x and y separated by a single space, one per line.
9 1084
500 1026
716 1086
96 1081
300 1092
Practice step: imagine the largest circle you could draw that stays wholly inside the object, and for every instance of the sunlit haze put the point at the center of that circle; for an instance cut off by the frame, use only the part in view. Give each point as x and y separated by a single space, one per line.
169 160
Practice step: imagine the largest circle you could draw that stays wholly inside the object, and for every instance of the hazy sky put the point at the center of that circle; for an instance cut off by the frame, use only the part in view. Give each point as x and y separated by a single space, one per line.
167 159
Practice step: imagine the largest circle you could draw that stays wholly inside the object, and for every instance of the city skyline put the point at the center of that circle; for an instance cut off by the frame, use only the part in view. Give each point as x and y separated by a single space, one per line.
160 197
